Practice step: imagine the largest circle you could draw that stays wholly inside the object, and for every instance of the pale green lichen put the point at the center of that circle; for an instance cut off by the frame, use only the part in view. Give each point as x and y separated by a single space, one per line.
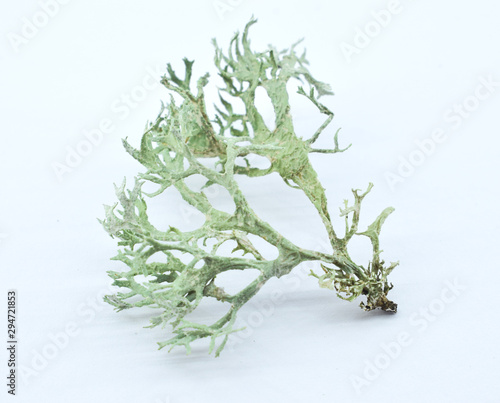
173 148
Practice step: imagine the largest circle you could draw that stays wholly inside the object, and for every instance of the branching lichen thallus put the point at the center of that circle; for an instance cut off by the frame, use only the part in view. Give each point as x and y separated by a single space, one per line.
178 144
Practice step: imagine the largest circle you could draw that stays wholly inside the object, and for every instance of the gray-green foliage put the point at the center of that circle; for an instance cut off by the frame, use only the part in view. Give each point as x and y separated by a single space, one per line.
173 149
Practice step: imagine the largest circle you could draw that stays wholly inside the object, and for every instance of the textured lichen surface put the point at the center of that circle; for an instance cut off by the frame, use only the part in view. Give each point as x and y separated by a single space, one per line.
176 146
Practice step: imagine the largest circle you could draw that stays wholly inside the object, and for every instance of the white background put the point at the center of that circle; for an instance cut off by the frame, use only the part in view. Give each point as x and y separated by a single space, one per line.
309 346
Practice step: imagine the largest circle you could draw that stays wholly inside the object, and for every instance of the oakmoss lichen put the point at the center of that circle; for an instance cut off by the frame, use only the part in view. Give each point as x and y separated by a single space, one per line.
172 149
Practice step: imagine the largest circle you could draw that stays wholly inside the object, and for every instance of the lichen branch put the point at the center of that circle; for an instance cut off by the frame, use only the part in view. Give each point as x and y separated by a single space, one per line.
173 270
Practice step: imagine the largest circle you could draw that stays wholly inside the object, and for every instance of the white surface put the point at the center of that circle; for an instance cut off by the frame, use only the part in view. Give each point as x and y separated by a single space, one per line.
398 89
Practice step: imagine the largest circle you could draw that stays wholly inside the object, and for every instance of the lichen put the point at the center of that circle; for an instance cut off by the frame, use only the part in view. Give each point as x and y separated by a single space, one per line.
173 148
